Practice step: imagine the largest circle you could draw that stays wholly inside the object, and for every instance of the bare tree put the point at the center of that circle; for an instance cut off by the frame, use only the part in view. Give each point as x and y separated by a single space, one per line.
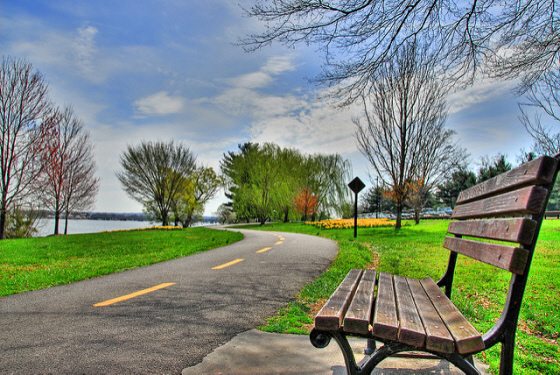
25 123
68 182
81 185
439 156
403 135
360 36
154 173
543 97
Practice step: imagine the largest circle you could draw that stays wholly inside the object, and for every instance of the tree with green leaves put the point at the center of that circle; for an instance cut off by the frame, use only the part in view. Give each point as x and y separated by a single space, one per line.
236 169
153 173
491 167
197 190
327 175
263 181
461 178
292 171
375 199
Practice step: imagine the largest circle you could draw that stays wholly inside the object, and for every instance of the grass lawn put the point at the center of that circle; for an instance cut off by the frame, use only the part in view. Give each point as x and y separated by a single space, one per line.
479 289
37 263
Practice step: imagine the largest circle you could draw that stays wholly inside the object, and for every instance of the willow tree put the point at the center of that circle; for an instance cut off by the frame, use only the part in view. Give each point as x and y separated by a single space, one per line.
326 178
153 173
402 131
263 181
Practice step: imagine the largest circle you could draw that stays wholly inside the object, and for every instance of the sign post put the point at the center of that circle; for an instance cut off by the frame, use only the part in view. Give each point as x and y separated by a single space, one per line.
356 185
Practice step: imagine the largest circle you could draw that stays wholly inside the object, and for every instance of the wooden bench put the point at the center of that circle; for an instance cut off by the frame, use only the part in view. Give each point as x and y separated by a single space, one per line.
408 314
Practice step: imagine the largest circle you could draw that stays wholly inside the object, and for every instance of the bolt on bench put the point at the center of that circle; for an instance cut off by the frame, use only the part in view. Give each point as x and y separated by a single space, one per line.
416 315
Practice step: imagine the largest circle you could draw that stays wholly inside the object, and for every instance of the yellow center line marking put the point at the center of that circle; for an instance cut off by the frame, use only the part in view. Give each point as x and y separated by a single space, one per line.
263 250
279 242
281 238
132 295
222 266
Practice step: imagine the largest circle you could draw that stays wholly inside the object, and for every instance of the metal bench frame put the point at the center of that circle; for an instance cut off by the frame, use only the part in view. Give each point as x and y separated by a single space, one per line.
503 331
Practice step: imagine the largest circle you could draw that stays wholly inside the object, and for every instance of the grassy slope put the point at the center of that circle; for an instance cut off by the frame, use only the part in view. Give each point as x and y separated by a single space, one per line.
480 289
36 263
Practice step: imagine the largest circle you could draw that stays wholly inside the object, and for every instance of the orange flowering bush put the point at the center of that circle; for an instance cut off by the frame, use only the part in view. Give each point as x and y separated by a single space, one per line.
349 223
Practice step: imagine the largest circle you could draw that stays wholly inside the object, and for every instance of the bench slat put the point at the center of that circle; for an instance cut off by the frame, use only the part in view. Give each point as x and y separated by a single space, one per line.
521 230
528 200
411 331
509 258
331 315
438 337
467 338
536 172
358 316
385 321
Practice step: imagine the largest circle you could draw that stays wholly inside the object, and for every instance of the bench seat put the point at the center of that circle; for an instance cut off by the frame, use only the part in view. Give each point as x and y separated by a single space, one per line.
398 309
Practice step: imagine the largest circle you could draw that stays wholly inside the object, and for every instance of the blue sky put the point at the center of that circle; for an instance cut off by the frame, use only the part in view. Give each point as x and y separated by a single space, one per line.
162 70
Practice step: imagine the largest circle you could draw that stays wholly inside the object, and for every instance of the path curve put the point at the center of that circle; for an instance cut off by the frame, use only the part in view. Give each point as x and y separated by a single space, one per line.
57 330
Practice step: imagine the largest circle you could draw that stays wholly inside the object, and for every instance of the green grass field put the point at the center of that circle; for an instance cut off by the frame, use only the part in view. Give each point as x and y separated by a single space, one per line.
479 291
37 263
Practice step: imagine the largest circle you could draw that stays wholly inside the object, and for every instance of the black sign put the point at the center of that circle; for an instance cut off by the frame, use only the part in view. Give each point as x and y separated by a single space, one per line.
356 185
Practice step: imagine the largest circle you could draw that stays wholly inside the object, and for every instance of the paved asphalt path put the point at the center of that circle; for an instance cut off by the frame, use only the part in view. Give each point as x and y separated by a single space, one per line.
58 330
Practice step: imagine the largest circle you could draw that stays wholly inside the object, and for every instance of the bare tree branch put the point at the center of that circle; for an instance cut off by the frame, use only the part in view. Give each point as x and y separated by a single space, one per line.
501 38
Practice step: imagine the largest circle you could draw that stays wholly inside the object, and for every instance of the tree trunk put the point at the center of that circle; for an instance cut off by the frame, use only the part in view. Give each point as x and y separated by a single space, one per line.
399 216
286 214
56 219
2 223
66 222
164 219
416 216
188 221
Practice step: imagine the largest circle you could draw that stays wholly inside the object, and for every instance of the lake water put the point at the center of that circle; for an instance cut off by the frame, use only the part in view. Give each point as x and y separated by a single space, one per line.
46 226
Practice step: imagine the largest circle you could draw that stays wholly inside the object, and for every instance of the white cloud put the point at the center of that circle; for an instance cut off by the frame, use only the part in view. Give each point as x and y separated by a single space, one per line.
252 80
274 66
279 64
160 103
84 50
319 127
481 91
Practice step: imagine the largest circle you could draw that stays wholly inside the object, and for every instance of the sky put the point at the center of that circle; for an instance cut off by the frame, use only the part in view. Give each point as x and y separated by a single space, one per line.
173 70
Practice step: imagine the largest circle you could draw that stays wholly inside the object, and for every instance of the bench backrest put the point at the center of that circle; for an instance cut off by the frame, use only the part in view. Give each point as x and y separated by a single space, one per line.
508 207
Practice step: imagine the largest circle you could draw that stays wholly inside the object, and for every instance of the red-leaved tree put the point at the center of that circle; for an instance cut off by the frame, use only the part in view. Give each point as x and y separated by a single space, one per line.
306 203
68 180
